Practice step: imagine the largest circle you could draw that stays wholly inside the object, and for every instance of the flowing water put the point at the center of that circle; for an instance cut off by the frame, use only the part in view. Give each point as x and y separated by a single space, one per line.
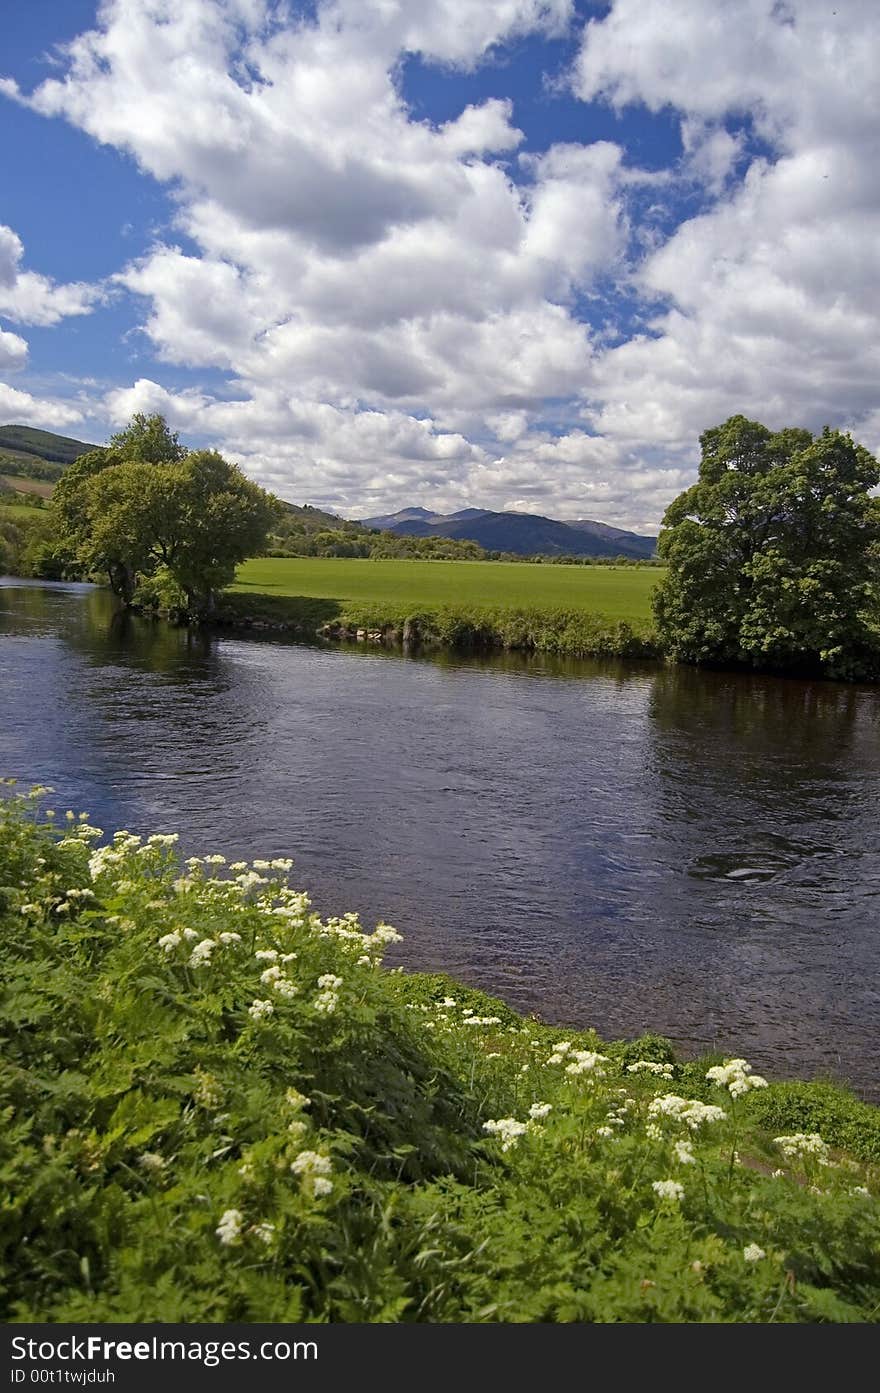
624 846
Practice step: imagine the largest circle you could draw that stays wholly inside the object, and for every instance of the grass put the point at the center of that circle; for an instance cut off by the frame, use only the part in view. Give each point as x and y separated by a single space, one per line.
617 592
19 512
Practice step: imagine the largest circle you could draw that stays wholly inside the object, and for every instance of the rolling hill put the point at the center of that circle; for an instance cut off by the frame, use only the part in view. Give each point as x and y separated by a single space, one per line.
524 534
41 444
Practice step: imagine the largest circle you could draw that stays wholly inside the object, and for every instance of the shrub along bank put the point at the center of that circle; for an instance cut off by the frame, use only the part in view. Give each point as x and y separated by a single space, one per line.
219 1107
573 633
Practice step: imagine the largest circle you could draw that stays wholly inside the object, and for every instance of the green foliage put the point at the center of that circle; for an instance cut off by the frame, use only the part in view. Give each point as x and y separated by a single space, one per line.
843 1120
147 440
219 1107
569 633
145 502
772 555
30 545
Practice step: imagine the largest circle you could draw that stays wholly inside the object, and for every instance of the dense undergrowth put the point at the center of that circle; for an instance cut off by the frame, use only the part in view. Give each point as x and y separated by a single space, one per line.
217 1107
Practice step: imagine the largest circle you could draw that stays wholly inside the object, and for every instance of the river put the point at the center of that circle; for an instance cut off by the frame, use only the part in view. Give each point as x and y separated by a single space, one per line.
632 847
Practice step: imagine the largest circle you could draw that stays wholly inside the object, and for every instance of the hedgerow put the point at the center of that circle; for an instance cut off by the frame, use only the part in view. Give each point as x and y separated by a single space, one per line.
219 1107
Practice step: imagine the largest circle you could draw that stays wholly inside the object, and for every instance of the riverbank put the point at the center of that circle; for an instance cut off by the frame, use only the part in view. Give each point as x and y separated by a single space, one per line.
232 1111
572 633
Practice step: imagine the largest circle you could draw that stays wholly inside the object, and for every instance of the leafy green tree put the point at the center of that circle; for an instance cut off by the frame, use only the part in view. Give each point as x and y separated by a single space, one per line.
773 554
145 502
147 440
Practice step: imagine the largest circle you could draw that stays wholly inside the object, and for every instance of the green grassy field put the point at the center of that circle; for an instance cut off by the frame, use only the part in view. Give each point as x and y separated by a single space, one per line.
19 512
618 592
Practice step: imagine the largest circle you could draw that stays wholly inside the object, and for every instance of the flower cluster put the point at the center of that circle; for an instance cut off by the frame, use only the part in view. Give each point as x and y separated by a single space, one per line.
668 1190
804 1146
649 1066
313 1169
229 1228
579 1061
736 1076
507 1129
690 1111
327 1000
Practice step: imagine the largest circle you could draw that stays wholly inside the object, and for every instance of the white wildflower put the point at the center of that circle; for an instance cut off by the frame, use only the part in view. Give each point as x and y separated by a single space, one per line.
229 1228
152 1162
736 1076
684 1153
284 987
383 933
690 1111
329 981
266 955
230 938
313 1169
170 941
507 1129
604 1131
325 1003
271 974
259 1010
539 1110
801 1145
265 1232
249 880
753 1253
201 954
649 1066
281 863
586 1062
668 1189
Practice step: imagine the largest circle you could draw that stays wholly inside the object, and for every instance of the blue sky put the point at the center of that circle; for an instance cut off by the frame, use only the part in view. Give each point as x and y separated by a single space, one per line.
387 252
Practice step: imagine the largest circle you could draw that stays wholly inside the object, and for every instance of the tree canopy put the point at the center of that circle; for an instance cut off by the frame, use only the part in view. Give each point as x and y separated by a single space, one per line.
146 504
773 554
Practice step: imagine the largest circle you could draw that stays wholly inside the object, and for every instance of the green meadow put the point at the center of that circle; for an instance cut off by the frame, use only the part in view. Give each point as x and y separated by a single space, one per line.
617 592
18 512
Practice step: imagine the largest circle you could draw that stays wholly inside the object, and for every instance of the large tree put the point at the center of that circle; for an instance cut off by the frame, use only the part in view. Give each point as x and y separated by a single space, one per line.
773 554
145 502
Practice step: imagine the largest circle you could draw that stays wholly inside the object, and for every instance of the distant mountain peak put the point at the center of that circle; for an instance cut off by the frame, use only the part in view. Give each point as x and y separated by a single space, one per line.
523 534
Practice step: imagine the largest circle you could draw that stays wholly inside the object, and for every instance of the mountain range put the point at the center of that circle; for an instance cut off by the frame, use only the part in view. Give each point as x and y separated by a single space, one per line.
23 449
524 534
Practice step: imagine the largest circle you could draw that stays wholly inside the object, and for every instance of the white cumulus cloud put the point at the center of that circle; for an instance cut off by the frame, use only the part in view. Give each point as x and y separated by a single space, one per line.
417 312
